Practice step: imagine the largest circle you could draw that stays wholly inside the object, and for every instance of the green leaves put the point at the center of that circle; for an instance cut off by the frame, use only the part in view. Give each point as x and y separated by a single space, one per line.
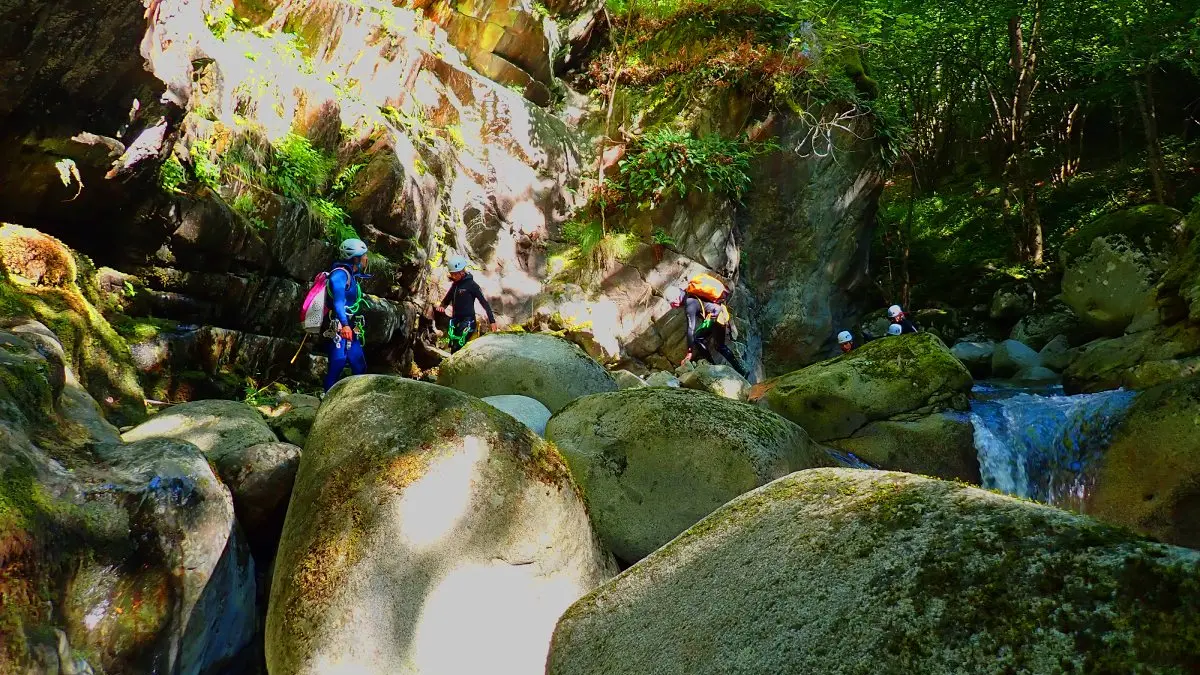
668 161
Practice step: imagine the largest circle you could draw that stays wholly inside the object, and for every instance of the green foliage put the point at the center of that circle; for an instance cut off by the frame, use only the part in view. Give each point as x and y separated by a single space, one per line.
661 238
667 161
206 171
299 169
172 175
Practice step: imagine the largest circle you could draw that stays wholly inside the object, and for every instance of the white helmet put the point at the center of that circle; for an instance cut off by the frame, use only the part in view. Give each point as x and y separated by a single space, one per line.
844 337
457 263
895 329
353 248
894 311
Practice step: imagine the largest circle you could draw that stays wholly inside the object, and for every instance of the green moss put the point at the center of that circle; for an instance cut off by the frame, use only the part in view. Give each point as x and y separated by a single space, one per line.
140 329
1151 227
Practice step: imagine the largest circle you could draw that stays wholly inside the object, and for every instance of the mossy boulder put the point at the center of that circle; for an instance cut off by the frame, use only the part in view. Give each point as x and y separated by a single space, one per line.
1133 361
1114 265
525 410
42 279
428 532
877 381
941 445
1149 478
720 380
544 367
849 571
653 461
260 478
1039 328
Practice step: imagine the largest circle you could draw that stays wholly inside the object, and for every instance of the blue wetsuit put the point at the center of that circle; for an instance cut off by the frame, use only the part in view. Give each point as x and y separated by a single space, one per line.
347 301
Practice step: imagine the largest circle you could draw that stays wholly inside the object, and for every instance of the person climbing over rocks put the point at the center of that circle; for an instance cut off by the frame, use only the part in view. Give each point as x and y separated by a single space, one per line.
347 301
898 318
845 341
704 300
459 303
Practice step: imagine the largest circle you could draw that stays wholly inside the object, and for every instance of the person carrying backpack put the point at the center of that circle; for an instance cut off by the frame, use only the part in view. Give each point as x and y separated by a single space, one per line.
459 303
704 301
346 303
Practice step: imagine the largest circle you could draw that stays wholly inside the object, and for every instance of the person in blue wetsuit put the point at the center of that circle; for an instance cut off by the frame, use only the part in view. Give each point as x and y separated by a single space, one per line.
346 302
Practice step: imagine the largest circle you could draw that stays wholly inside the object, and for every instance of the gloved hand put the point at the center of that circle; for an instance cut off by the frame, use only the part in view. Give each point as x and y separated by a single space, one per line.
346 332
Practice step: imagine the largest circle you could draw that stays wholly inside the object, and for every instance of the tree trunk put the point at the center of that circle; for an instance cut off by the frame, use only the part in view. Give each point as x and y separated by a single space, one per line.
1144 91
1023 55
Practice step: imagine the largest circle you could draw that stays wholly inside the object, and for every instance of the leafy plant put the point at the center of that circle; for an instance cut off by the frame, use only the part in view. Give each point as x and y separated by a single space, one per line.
299 169
661 238
669 161
206 171
172 175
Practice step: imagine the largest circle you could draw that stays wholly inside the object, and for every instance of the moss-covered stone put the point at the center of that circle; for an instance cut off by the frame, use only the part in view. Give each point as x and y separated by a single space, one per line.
881 379
1151 227
931 576
941 445
40 279
419 511
1149 478
1133 360
653 461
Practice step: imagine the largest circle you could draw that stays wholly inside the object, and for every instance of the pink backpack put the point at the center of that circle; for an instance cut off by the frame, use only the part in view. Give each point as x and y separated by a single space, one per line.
312 312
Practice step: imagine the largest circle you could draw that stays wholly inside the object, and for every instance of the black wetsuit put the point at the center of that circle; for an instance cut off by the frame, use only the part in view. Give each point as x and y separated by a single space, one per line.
703 335
906 325
464 293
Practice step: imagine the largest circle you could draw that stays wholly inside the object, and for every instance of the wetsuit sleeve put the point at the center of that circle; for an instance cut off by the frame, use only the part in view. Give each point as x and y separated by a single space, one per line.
478 293
337 289
691 307
449 294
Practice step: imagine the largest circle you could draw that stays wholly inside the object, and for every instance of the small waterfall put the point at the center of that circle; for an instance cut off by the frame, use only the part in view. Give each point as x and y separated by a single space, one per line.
1040 444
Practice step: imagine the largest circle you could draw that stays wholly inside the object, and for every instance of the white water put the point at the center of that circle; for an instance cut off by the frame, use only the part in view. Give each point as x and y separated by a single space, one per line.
1043 445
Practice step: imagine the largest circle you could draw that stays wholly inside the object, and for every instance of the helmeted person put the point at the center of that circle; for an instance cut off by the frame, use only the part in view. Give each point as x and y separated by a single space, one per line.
895 329
898 318
704 301
459 303
845 341
347 303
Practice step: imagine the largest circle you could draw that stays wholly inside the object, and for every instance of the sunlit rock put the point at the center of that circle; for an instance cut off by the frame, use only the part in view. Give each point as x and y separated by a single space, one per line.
428 533
543 367
934 575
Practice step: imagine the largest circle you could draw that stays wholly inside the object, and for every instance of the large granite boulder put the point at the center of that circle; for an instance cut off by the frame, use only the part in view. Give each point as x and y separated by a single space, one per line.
1149 478
543 367
1135 361
653 461
1011 357
941 445
881 379
525 410
428 533
934 577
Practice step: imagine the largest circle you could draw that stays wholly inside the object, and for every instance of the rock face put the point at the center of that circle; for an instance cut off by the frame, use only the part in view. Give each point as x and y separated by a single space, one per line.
1149 478
883 378
1037 329
721 380
1114 264
525 410
260 478
543 367
652 462
937 576
117 557
1011 357
424 520
292 419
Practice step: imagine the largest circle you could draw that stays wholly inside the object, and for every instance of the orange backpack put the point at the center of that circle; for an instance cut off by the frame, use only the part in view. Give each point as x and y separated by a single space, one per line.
707 288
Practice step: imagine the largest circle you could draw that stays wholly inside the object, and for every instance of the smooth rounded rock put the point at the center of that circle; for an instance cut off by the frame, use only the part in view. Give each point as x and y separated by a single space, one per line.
850 571
651 462
544 367
427 533
720 380
1011 357
525 410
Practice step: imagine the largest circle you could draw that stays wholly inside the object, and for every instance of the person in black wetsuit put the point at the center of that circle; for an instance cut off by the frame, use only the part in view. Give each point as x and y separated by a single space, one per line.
459 303
707 323
897 316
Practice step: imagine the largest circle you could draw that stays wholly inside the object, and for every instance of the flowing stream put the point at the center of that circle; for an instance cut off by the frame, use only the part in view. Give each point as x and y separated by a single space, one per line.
1041 444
